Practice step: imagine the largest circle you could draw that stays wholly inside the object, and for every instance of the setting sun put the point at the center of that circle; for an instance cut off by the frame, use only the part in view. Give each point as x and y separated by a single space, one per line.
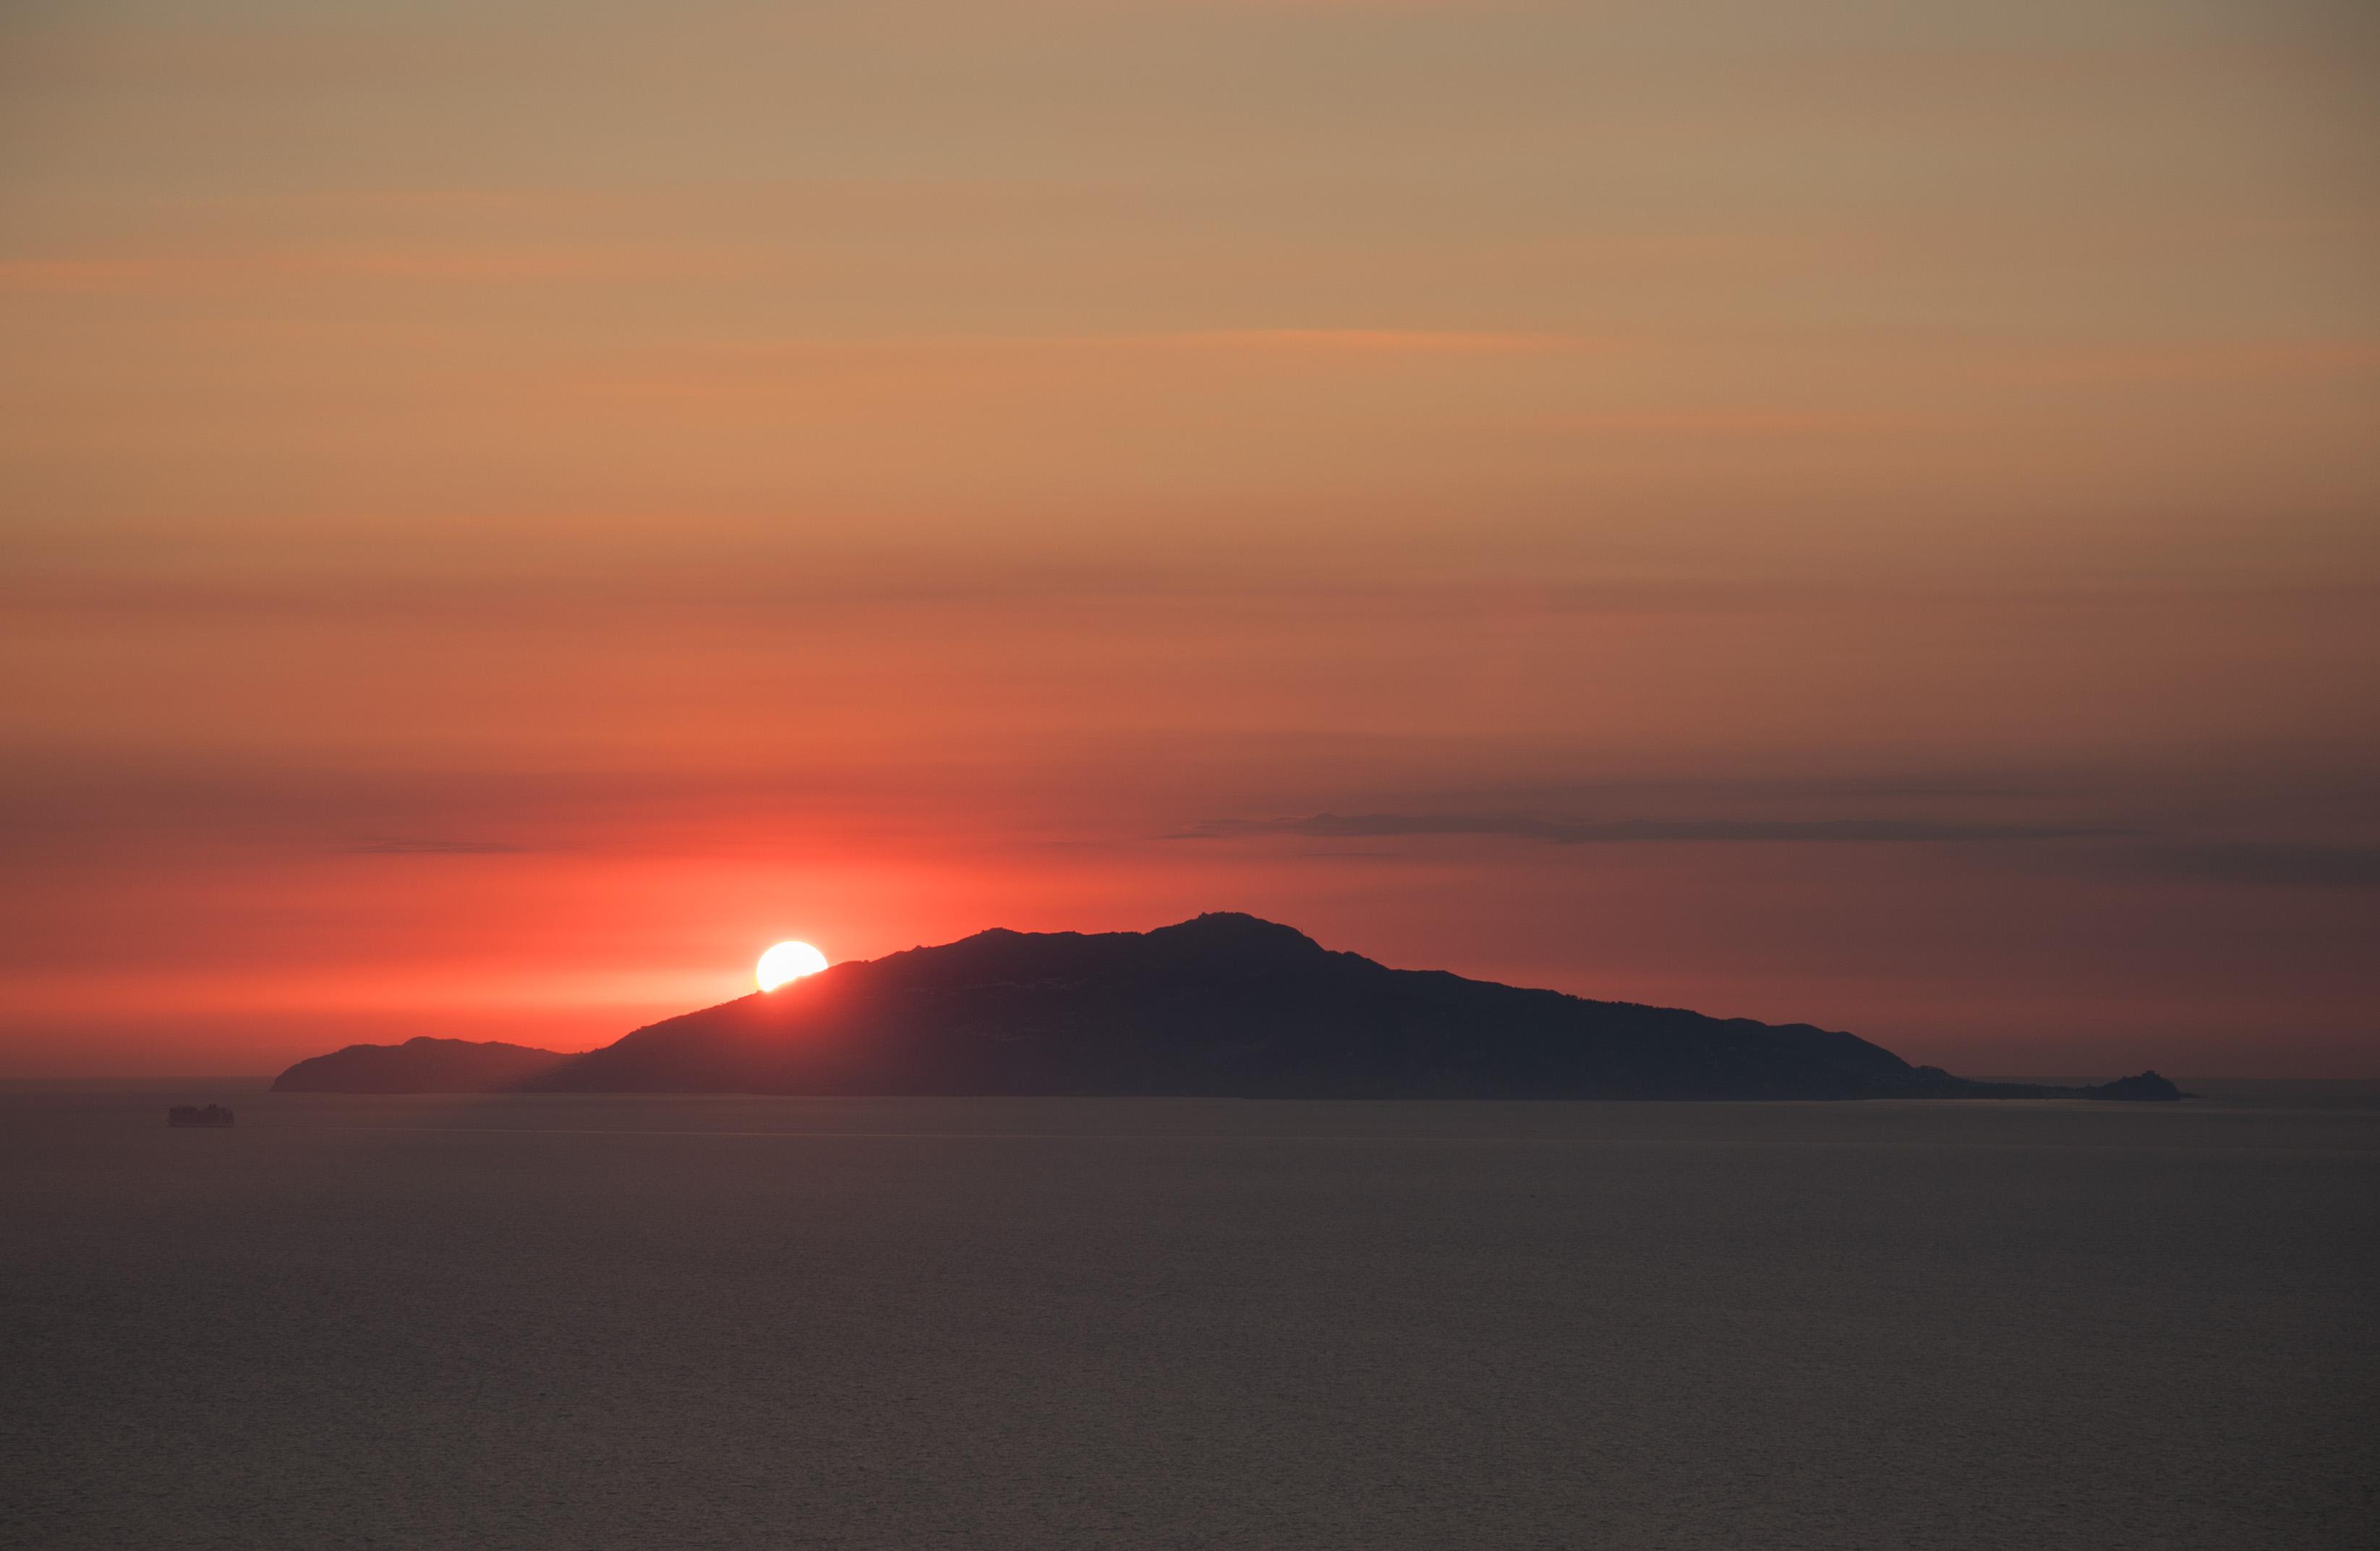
787 961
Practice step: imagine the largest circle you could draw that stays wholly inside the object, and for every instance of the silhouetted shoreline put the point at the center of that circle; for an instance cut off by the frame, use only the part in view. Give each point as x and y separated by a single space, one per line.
1222 1006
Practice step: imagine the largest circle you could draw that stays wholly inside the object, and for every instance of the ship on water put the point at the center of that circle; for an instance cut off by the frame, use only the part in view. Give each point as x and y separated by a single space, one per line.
193 1114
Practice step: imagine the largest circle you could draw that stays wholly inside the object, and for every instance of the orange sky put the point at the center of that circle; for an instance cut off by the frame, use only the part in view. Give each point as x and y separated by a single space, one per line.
1820 511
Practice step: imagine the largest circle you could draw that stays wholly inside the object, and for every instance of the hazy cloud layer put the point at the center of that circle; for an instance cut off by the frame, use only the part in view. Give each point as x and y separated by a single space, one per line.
512 496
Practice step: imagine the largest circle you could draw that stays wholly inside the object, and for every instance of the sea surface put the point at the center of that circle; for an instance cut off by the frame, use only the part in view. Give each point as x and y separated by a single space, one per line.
584 1322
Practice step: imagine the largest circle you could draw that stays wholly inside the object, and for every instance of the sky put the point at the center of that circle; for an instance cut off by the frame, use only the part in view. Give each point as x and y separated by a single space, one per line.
1816 510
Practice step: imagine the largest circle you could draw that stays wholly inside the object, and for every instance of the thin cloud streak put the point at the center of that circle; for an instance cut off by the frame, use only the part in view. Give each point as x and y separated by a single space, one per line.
434 848
1315 339
2301 865
1332 826
452 265
2298 865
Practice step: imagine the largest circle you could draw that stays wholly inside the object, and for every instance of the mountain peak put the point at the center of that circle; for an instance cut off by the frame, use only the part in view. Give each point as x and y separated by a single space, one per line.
1235 930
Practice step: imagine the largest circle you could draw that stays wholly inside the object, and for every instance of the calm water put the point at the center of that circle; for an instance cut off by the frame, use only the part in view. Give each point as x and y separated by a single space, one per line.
578 1321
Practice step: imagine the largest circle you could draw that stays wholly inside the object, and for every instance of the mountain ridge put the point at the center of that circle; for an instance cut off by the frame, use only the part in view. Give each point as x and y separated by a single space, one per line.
1224 1004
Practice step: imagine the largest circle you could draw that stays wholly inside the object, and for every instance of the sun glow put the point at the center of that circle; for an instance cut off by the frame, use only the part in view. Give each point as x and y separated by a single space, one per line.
787 961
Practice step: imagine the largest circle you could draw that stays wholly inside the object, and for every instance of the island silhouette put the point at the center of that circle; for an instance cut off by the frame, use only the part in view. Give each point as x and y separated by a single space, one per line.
1224 1005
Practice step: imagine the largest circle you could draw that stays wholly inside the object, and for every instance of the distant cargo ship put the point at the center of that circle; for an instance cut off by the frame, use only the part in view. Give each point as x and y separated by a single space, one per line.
192 1114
